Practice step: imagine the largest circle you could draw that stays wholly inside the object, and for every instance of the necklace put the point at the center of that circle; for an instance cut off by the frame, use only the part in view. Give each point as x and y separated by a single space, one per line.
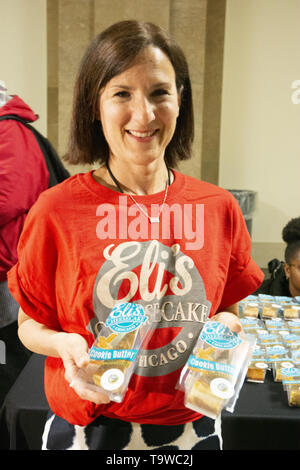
152 219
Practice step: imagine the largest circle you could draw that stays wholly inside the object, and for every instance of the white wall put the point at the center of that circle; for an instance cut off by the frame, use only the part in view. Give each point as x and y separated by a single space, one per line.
260 133
23 56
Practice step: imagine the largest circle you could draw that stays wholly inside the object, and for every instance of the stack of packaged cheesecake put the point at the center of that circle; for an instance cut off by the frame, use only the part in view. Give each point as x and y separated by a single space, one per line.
215 371
275 323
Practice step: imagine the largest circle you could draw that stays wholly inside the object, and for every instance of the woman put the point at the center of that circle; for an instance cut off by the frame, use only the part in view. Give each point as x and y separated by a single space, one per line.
134 230
285 276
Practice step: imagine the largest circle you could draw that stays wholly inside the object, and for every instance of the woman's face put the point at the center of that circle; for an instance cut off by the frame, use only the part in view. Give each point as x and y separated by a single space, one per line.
139 108
292 271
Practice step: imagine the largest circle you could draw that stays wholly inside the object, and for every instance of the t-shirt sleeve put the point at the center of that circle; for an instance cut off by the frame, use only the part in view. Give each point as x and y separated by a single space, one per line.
244 276
32 280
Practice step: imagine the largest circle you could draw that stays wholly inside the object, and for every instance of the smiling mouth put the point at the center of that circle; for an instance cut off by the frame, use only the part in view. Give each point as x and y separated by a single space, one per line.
143 134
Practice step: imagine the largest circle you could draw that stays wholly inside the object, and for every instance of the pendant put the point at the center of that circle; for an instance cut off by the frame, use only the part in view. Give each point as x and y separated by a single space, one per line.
154 220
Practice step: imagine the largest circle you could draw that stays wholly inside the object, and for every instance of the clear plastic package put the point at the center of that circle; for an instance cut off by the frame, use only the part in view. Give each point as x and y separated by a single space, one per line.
258 366
292 341
249 308
278 365
283 331
252 326
293 393
282 299
262 331
291 311
275 356
270 310
291 384
114 352
270 339
275 325
294 326
276 353
295 355
266 298
216 369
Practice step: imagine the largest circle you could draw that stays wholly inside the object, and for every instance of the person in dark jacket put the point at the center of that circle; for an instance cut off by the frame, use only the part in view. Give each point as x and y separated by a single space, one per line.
23 176
285 276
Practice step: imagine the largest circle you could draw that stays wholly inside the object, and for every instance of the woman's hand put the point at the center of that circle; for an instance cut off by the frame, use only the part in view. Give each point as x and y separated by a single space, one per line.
70 347
73 350
230 320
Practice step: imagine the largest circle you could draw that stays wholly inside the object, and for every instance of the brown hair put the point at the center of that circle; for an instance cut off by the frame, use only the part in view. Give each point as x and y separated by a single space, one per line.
111 53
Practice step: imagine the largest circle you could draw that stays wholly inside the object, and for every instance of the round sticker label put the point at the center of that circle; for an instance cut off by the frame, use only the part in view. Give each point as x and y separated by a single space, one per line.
287 365
112 379
261 365
222 388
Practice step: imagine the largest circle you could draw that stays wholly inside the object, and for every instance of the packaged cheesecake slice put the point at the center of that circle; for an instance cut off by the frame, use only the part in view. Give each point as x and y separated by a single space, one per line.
114 352
216 369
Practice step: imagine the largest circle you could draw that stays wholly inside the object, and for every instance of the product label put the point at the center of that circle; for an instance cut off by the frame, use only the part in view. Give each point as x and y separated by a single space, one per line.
292 338
261 365
265 297
294 322
290 375
276 323
276 350
222 388
203 364
258 353
286 365
219 336
269 338
126 317
247 321
99 354
296 354
112 379
282 299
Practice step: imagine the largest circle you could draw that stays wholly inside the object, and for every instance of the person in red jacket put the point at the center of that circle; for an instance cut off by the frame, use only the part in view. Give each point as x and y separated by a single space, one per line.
23 176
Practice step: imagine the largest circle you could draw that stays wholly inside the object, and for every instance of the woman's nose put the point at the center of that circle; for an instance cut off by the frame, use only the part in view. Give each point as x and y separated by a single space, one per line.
143 110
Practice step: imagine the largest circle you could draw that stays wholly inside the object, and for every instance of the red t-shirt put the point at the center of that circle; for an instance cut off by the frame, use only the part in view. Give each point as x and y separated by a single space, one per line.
85 247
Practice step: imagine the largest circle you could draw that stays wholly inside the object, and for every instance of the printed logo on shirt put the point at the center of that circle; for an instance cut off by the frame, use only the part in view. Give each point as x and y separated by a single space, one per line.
166 283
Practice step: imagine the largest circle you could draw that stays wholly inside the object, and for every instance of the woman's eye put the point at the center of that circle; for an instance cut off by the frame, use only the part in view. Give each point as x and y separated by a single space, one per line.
160 92
122 94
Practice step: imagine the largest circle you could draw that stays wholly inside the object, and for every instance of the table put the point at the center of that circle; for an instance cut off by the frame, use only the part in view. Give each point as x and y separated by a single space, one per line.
25 409
262 419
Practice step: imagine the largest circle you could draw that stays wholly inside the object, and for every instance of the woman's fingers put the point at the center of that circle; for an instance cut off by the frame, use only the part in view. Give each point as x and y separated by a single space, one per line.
74 354
86 393
230 320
